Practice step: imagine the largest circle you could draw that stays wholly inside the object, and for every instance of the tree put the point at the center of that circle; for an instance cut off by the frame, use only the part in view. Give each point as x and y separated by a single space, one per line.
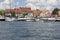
13 14
25 13
2 12
55 11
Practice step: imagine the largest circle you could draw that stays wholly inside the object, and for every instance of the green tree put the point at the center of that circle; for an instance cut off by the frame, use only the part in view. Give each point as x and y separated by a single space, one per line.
55 11
13 14
25 13
2 12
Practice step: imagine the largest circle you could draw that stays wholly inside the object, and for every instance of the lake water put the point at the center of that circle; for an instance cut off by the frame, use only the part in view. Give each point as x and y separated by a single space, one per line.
21 30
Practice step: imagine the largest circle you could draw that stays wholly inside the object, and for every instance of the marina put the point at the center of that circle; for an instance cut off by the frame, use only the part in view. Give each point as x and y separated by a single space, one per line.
28 19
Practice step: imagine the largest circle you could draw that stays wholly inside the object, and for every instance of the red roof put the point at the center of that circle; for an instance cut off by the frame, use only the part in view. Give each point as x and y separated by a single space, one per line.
18 10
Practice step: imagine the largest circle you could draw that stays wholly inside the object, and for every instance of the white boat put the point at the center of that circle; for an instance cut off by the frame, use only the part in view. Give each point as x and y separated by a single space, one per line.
9 19
29 20
2 18
52 19
48 18
37 19
25 19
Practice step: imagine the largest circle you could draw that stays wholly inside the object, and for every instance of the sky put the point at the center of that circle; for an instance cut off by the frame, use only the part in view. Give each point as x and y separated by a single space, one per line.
34 4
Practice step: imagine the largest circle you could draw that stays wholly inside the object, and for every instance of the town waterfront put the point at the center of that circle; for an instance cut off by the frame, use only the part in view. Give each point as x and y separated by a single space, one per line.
21 30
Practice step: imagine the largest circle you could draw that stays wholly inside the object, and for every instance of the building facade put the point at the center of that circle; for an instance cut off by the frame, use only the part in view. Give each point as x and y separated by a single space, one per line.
45 13
22 10
18 11
36 13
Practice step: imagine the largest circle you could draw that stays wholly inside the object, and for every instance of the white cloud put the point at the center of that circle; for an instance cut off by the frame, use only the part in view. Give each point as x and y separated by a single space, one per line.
46 4
7 1
32 0
49 7
1 6
5 4
52 2
32 6
15 5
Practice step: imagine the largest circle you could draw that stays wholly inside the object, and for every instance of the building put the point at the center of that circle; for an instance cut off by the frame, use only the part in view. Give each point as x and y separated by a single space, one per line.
59 12
36 13
8 12
45 13
18 11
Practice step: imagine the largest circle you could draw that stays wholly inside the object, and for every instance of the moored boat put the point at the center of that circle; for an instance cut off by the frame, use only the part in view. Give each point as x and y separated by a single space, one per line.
2 18
9 19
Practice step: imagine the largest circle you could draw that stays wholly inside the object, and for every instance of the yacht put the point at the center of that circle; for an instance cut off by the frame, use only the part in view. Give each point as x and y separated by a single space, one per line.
2 18
9 19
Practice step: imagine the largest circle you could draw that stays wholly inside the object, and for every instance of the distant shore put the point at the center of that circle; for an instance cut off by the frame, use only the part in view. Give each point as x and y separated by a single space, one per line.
29 19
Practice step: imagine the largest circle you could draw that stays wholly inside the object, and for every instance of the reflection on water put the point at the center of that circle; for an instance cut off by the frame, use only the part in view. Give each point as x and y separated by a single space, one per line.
29 31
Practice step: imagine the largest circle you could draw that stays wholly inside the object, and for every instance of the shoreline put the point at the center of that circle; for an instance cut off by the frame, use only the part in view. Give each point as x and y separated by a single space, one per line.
29 19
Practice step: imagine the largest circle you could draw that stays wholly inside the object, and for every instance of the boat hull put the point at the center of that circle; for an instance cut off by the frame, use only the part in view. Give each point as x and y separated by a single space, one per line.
2 19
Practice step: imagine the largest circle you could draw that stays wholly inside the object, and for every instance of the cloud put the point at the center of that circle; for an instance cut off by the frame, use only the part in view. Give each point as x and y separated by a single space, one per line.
32 6
1 6
16 5
6 4
52 2
32 0
45 4
7 1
